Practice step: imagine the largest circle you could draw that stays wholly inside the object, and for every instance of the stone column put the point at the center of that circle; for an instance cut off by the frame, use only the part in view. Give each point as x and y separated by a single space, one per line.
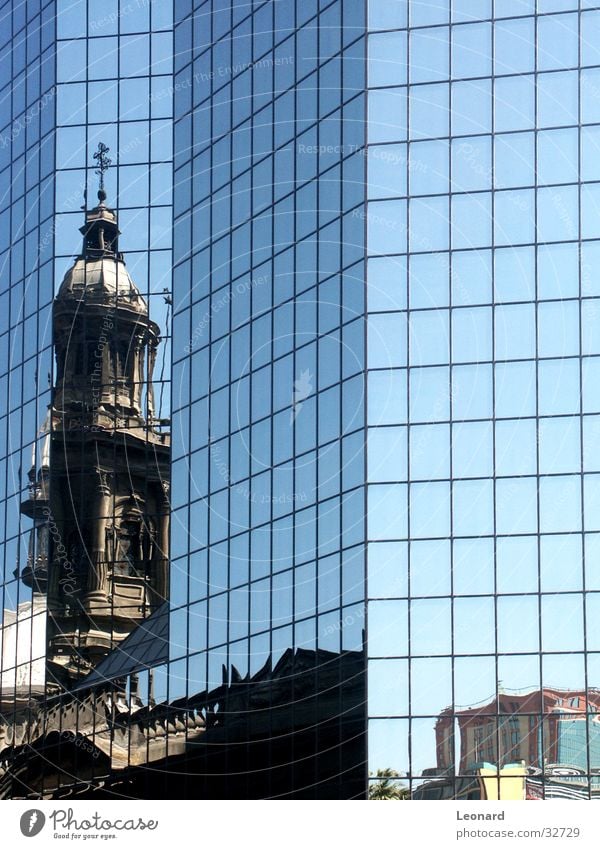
96 599
161 558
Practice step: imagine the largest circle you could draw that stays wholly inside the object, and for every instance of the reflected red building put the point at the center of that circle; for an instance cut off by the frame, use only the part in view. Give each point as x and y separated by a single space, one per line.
538 727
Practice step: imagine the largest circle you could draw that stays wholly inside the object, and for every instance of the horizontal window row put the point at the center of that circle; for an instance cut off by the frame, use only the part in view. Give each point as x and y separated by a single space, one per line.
480 276
523 505
504 565
481 49
466 164
503 390
509 217
480 334
436 110
482 449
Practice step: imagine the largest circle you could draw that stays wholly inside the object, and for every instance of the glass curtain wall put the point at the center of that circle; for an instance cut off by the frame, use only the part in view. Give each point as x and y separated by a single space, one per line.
267 573
27 106
483 441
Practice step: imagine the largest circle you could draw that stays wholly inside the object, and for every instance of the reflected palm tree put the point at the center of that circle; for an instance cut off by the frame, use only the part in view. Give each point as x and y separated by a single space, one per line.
386 787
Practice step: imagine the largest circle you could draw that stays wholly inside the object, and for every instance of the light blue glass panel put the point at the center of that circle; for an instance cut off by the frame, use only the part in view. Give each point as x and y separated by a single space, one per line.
428 167
560 503
473 566
388 743
559 445
566 609
430 569
515 389
471 50
387 453
557 5
561 563
514 47
387 59
471 107
472 454
424 12
387 564
514 331
518 624
558 214
471 334
429 452
591 443
429 52
474 680
517 564
557 99
386 227
430 510
386 283
472 164
590 378
388 687
428 227
429 111
473 508
386 346
590 211
431 691
592 605
387 14
471 392
387 397
464 10
590 102
558 271
514 103
516 506
557 42
428 280
387 171
387 511
388 628
558 329
471 221
591 502
590 153
513 8
514 277
514 217
558 387
430 626
386 115
429 337
474 625
590 38
429 394
557 156
514 159
516 441
471 277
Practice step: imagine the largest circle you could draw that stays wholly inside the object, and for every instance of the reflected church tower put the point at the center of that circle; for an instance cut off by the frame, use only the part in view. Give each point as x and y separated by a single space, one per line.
109 461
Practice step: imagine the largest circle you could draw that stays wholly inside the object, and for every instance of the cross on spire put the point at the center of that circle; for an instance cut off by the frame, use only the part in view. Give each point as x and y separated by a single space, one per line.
103 165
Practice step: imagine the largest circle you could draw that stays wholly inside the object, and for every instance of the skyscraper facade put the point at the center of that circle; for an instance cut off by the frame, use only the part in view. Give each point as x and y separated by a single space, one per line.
268 489
385 494
422 177
75 74
26 271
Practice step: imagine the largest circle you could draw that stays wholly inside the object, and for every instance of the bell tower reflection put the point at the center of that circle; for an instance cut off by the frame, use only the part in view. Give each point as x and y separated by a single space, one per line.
109 456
